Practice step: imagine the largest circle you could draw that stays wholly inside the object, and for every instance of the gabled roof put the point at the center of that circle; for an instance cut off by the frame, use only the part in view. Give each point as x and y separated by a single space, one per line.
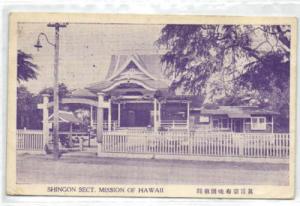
237 111
149 63
65 116
150 66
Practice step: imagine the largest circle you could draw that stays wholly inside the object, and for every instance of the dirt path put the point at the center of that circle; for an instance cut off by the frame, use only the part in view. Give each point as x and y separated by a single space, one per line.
96 170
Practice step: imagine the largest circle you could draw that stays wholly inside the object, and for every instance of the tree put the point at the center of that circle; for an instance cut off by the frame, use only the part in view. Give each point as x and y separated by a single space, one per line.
28 115
246 54
63 91
26 69
239 64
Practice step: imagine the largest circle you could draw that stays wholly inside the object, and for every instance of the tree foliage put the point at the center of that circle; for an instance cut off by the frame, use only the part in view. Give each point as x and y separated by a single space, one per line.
25 68
28 115
249 55
63 91
231 64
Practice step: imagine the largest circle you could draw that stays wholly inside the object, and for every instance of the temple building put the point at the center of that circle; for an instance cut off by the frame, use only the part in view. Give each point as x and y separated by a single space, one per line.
135 94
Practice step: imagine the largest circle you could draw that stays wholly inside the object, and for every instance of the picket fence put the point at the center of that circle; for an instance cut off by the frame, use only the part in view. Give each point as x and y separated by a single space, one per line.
273 145
181 142
31 140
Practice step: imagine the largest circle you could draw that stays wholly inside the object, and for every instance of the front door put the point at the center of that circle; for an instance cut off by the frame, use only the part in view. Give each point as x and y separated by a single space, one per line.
238 125
131 118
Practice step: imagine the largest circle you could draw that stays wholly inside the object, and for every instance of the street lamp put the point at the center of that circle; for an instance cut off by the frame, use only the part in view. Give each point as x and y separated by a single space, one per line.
38 42
38 45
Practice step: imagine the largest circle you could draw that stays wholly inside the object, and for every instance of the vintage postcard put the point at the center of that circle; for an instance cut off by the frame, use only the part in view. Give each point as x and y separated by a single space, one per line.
151 106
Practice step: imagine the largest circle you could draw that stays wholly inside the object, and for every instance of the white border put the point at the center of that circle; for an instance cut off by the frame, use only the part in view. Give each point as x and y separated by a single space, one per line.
212 7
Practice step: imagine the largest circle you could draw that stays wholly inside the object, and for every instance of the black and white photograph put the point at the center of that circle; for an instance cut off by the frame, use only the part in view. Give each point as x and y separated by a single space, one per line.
115 107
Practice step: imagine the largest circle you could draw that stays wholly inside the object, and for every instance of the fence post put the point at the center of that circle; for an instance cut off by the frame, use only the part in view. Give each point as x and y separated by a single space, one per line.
100 108
241 144
45 119
190 143
81 143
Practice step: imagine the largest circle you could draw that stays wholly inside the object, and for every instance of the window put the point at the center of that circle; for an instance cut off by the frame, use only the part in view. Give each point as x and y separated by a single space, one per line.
203 119
258 123
224 124
215 123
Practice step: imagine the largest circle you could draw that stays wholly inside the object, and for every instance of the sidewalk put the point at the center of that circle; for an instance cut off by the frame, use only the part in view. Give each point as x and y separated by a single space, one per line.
90 169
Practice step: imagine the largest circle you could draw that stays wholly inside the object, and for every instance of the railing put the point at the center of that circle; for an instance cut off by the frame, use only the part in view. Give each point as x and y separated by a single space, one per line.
30 140
168 124
199 144
114 125
174 124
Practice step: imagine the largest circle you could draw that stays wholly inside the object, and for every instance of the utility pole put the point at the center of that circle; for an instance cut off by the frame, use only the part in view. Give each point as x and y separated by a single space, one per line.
56 26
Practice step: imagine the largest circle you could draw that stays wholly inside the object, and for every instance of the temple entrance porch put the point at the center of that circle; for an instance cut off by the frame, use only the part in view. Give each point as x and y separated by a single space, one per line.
136 115
140 115
126 113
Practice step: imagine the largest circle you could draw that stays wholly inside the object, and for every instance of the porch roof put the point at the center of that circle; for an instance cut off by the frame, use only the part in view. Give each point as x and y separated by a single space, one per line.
164 99
154 84
237 111
82 93
65 116
238 115
178 98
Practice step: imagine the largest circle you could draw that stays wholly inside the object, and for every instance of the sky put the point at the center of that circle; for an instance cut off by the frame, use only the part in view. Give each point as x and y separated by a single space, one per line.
85 50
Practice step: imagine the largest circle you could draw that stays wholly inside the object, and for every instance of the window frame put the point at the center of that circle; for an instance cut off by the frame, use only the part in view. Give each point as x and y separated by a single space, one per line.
227 123
220 123
217 125
259 125
204 116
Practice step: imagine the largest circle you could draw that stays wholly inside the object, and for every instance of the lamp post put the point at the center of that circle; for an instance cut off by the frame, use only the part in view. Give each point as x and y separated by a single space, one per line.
38 45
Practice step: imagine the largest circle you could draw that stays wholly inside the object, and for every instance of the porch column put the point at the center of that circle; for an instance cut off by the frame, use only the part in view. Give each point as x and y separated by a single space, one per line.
188 115
45 119
109 115
100 121
91 116
119 114
155 114
272 129
159 114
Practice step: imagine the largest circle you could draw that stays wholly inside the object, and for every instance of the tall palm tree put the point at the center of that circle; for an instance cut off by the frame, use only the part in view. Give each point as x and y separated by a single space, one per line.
26 69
